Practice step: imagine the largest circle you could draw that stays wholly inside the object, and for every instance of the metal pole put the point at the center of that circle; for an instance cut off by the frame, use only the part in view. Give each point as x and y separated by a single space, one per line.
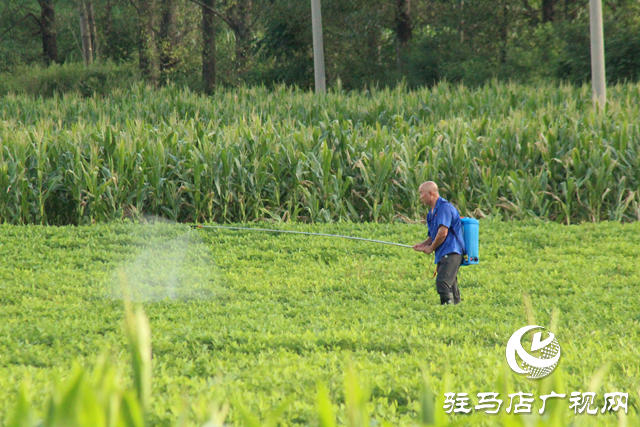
597 53
300 232
318 50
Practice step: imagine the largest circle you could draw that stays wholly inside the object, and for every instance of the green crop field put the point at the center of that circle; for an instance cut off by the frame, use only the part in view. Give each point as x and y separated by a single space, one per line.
514 151
293 330
260 320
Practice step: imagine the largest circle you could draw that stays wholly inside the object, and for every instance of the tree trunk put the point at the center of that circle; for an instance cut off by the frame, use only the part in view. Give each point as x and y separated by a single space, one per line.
461 21
548 10
147 49
108 26
85 33
92 29
404 31
504 33
208 47
168 41
48 31
243 35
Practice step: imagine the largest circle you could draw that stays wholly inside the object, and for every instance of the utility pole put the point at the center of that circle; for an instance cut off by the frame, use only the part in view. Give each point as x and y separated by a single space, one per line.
597 53
318 50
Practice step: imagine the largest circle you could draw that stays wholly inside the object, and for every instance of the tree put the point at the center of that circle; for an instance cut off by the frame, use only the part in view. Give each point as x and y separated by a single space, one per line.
548 10
570 9
504 32
238 16
92 28
208 46
85 33
147 48
47 24
404 31
168 37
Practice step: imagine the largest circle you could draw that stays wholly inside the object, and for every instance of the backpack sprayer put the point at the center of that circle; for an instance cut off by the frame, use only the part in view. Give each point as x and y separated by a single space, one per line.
470 236
470 228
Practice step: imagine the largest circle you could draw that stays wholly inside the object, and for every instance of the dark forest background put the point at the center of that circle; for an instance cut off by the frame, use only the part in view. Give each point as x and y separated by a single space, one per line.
54 45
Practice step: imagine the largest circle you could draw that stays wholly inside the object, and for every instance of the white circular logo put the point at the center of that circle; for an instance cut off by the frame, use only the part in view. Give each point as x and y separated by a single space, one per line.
548 352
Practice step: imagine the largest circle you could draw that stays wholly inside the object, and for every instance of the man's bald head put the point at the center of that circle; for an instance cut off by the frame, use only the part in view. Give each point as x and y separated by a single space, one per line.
429 186
429 193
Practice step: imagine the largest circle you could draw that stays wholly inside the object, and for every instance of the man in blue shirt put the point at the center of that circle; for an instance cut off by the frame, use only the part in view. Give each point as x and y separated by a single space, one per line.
445 240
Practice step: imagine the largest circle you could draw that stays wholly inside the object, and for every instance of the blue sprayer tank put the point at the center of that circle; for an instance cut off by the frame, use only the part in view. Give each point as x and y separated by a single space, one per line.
470 230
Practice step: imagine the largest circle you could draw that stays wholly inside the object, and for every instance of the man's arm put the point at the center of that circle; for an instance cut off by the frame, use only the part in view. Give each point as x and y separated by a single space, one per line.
443 231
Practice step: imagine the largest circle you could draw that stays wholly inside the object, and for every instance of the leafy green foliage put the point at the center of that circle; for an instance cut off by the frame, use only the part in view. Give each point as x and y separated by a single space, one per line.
302 330
97 79
99 400
454 41
503 150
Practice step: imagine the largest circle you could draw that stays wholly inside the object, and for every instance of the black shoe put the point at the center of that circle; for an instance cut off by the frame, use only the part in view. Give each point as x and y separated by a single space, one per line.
446 299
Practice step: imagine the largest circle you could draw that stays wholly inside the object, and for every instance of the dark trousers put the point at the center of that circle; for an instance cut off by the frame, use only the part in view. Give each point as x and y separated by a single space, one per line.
447 278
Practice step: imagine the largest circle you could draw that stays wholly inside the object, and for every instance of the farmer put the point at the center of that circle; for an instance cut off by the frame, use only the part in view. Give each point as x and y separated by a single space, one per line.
445 239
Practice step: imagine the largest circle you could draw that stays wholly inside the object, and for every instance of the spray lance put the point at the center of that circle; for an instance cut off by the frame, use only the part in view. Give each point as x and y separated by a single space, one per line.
469 228
300 232
220 227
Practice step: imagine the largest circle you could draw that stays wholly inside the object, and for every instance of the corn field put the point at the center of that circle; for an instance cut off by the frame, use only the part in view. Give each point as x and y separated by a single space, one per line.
502 150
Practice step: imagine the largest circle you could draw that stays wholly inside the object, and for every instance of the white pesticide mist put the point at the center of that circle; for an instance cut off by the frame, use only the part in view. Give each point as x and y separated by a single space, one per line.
174 264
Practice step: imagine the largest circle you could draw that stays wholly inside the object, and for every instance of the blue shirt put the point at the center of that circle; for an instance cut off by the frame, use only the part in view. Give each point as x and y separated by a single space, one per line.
446 214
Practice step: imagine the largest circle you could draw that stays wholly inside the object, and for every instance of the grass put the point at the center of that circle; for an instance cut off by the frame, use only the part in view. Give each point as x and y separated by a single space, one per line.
257 320
501 150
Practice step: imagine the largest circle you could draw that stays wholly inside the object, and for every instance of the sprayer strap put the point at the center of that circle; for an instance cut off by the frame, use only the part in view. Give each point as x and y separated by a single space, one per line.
462 245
